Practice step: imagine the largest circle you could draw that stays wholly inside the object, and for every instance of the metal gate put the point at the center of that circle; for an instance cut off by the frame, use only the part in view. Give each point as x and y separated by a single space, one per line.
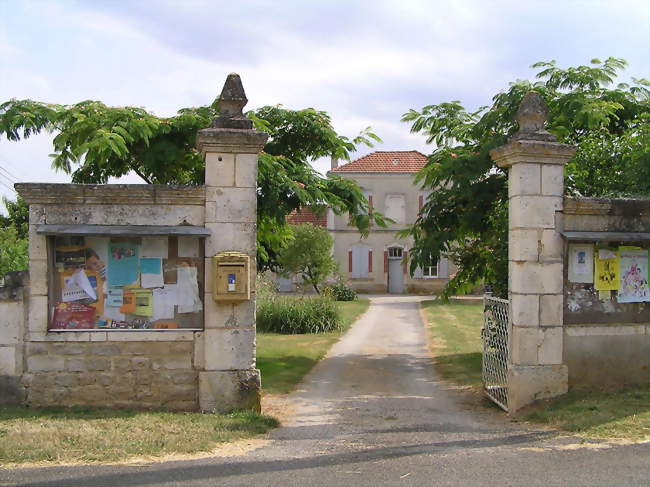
495 350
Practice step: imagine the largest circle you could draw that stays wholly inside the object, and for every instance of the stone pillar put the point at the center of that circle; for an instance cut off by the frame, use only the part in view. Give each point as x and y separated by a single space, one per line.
226 354
535 162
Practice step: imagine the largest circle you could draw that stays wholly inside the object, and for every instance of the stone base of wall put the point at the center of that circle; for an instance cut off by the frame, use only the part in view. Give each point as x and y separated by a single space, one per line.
227 390
12 393
530 383
607 356
143 375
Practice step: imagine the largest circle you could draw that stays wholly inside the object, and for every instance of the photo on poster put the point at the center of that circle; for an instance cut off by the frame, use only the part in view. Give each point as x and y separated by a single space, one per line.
581 263
123 264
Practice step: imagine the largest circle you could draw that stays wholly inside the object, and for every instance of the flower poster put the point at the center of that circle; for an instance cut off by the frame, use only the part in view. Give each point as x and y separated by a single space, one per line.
633 276
606 270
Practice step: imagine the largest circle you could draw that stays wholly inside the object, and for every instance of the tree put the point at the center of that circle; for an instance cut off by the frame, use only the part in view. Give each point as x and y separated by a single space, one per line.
95 142
309 254
18 216
13 251
466 214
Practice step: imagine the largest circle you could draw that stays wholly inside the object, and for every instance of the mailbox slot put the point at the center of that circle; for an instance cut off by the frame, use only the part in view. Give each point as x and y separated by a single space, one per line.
231 274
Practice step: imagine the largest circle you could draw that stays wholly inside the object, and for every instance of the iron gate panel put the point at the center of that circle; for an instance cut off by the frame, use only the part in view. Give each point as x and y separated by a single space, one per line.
495 350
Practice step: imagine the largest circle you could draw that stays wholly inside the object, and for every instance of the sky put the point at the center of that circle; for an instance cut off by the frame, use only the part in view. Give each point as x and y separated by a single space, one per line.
364 62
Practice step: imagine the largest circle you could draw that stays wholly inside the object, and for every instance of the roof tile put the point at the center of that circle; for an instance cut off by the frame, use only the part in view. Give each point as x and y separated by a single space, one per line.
386 161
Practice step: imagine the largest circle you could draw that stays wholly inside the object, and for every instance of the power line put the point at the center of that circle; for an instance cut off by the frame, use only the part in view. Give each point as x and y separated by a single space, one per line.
13 166
8 187
13 176
8 179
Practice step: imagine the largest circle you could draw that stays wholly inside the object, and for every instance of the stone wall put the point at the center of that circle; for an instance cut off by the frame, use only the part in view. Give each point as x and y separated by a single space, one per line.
140 374
12 321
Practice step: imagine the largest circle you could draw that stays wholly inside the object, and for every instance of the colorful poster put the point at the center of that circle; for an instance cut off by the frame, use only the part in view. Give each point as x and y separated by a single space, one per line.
634 276
581 263
606 276
143 302
115 297
74 316
97 255
123 264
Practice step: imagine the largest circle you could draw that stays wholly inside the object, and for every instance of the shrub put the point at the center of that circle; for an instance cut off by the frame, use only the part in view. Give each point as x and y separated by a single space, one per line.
289 315
340 292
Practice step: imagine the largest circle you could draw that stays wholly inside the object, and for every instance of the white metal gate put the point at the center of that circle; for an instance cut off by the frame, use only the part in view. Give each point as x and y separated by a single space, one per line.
495 350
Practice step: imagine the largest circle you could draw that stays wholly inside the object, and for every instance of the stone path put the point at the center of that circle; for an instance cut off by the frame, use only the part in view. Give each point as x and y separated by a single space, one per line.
373 413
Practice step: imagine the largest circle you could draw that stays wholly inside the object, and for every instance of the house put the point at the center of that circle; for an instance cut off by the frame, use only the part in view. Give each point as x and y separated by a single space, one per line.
379 262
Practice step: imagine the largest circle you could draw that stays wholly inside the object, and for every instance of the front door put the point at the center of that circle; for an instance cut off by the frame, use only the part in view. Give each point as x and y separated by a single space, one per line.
395 270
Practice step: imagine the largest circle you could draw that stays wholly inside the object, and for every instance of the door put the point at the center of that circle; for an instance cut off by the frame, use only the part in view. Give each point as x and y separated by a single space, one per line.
395 271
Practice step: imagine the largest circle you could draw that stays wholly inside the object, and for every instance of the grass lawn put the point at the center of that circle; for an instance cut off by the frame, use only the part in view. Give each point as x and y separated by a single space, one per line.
455 339
285 359
99 435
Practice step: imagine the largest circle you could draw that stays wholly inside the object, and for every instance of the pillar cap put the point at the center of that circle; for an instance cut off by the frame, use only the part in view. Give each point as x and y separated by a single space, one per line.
231 103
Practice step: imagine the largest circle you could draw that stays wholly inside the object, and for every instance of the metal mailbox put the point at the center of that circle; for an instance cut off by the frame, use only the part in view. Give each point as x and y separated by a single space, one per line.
231 277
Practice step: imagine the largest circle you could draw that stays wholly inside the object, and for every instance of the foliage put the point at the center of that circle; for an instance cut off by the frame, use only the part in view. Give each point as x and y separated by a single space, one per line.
290 315
466 217
18 216
95 142
309 254
340 291
13 251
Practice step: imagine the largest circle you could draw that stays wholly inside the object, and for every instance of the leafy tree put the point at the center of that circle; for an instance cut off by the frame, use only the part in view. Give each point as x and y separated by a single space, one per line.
309 254
466 214
13 251
18 216
95 142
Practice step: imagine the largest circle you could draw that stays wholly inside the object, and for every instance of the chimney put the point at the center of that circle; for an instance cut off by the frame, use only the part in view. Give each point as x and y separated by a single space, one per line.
334 162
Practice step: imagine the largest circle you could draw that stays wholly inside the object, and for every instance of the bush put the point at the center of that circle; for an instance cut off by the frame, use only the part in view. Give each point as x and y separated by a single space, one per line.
289 315
340 292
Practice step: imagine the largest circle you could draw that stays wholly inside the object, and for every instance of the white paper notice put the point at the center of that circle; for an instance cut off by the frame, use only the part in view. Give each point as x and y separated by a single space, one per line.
163 302
188 290
188 246
77 287
113 313
151 280
581 263
155 247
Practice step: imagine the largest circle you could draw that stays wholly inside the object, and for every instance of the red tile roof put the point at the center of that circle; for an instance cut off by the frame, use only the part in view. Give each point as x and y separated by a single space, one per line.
307 215
386 161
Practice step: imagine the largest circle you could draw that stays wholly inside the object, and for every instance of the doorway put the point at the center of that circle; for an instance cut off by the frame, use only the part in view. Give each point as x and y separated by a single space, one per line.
395 270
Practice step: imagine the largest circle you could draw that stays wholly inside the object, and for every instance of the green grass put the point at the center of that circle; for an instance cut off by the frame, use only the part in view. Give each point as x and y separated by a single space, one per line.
455 338
454 331
285 359
623 414
88 435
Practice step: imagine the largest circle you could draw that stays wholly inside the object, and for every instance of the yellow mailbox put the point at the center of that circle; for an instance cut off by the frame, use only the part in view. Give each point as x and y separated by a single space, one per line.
231 277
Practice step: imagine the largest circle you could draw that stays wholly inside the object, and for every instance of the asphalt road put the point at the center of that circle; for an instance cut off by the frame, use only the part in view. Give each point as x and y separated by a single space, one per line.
373 413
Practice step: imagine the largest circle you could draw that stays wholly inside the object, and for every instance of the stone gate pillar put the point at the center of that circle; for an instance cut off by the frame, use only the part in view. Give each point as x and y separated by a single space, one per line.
535 162
229 379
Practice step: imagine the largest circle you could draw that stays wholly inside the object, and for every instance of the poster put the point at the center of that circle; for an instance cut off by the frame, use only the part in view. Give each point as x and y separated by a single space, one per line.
74 316
155 247
581 263
123 260
633 276
151 272
606 275
97 255
143 302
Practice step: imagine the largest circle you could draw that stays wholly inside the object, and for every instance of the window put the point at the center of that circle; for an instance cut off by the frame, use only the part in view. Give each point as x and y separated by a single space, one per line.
396 207
359 261
395 253
114 282
431 270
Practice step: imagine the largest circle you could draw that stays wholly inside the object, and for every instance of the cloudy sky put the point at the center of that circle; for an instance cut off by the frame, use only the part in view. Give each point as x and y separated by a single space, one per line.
364 62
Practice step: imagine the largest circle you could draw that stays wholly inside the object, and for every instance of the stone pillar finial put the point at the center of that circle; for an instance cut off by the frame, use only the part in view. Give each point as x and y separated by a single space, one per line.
231 103
531 117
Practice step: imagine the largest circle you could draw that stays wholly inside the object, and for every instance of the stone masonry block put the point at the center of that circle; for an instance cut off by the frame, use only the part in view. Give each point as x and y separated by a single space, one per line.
233 205
551 309
240 237
525 342
524 309
246 171
552 246
199 351
37 244
553 180
45 363
36 214
226 391
8 361
550 348
229 349
38 277
523 245
11 322
535 278
527 384
219 169
120 214
524 179
229 315
533 211
37 318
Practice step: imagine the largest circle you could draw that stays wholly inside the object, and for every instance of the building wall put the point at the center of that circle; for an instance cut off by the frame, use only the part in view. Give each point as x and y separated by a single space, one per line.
379 187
